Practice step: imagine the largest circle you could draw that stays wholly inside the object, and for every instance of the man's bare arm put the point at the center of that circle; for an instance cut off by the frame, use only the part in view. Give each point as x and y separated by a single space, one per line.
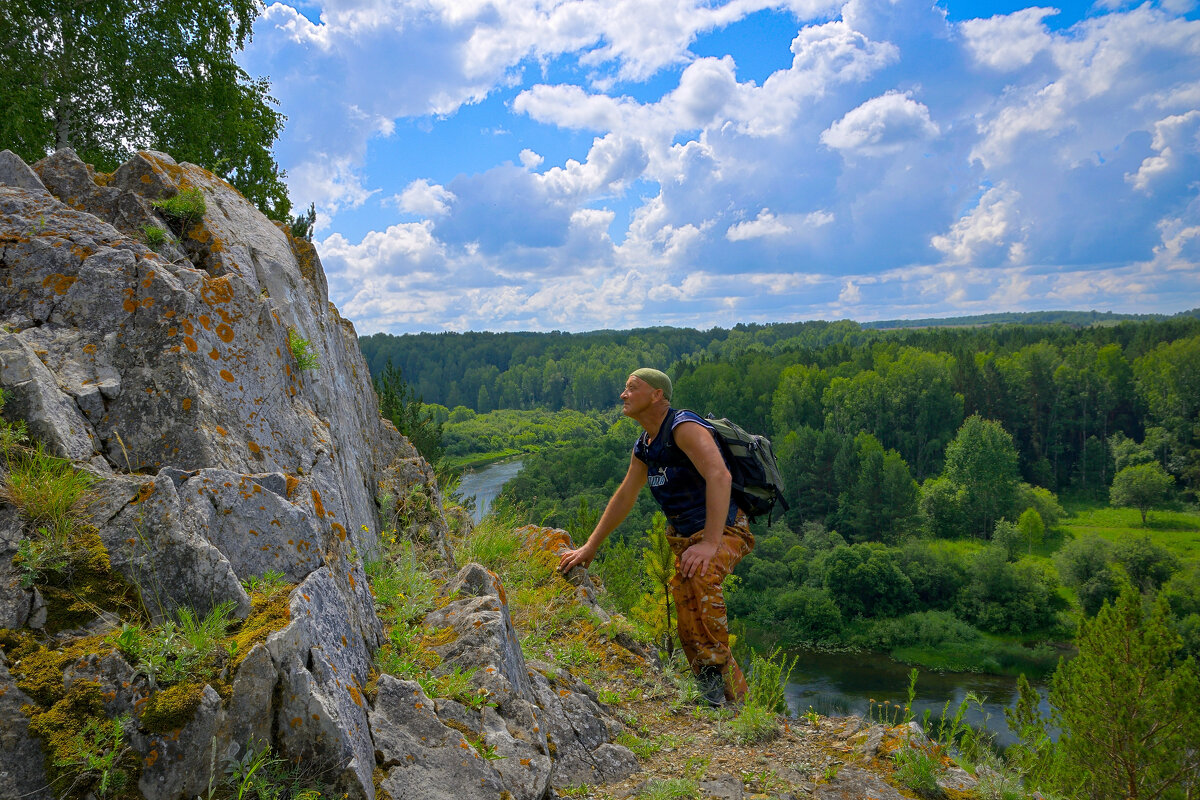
615 512
697 442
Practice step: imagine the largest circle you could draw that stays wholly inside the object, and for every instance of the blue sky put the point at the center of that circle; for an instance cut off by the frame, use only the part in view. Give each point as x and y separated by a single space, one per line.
586 164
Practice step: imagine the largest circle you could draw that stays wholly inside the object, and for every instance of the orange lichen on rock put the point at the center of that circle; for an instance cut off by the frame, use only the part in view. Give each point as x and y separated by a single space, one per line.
225 333
186 404
144 492
58 282
227 376
217 290
190 344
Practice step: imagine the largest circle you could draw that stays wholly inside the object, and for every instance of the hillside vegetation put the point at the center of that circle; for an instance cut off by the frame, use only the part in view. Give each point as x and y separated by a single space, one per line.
949 487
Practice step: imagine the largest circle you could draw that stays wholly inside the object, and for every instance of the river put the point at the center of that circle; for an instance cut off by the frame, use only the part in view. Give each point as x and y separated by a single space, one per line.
836 684
484 484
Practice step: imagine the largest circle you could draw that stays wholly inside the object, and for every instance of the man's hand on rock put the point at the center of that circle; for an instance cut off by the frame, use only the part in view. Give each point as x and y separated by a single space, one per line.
581 556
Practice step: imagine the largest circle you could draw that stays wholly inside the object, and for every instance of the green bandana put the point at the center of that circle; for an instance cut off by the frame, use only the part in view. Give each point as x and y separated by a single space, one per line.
655 378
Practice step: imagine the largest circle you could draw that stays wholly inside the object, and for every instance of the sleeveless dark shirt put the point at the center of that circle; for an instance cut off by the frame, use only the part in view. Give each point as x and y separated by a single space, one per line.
677 486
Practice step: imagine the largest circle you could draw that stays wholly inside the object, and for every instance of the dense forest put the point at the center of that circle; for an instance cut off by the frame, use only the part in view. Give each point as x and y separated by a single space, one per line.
927 469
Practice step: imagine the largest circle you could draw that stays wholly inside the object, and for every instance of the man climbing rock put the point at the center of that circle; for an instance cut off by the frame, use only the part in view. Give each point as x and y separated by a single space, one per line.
679 458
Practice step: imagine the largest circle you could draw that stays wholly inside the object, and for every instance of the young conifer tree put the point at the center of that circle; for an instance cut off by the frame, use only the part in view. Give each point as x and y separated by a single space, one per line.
656 608
1127 706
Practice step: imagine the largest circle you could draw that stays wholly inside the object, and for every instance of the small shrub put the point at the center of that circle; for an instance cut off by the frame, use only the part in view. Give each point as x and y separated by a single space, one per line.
767 677
154 236
99 750
302 351
262 775
187 207
37 557
179 649
918 769
301 226
754 724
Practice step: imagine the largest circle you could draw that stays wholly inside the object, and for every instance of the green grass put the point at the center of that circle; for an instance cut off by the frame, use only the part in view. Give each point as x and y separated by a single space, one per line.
187 207
48 491
1178 531
670 789
917 769
753 724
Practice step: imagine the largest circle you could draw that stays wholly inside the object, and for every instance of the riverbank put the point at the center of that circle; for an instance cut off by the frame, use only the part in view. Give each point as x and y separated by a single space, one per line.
459 465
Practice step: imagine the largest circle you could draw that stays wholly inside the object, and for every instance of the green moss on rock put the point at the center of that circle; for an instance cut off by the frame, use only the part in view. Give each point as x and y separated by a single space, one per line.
61 731
172 708
40 675
86 586
268 613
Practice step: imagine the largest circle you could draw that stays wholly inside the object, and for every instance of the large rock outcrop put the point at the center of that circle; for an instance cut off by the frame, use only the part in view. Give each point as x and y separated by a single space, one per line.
168 374
171 374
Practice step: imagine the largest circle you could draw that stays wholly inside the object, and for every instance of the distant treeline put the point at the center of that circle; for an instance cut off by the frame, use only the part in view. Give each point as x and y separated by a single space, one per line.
1061 391
1078 318
581 371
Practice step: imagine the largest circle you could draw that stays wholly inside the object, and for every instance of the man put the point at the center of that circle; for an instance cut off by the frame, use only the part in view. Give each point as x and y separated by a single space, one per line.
678 456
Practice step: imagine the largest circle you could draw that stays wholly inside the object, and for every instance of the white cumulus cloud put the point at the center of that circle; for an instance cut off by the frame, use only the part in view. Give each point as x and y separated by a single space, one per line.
881 125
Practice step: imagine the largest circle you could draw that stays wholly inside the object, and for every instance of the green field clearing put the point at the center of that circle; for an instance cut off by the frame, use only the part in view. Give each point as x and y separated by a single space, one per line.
1178 531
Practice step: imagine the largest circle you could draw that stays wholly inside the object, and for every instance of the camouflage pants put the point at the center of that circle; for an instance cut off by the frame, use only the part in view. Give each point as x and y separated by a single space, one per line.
700 604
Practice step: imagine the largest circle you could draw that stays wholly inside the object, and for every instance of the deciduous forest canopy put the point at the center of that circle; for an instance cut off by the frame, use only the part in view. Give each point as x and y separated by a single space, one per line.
109 78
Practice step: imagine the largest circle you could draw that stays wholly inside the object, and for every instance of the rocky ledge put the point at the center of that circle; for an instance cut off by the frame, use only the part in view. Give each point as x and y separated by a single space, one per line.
191 364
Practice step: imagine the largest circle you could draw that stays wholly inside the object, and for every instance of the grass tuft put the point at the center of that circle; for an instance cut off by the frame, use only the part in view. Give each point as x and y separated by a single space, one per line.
187 207
918 769
48 491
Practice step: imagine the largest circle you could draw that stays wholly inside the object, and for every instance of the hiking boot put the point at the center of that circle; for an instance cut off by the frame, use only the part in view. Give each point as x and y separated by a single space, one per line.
712 686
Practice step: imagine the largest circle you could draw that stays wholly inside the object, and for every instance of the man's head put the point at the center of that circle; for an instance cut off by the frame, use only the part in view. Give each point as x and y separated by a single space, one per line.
645 388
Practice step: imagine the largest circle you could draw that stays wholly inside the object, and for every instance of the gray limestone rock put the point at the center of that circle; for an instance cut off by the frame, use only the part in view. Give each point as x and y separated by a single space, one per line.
123 688
524 767
422 758
323 665
868 741
561 720
22 774
957 779
726 787
159 543
32 394
168 375
16 173
252 701
16 601
853 783
485 638
614 762
181 764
